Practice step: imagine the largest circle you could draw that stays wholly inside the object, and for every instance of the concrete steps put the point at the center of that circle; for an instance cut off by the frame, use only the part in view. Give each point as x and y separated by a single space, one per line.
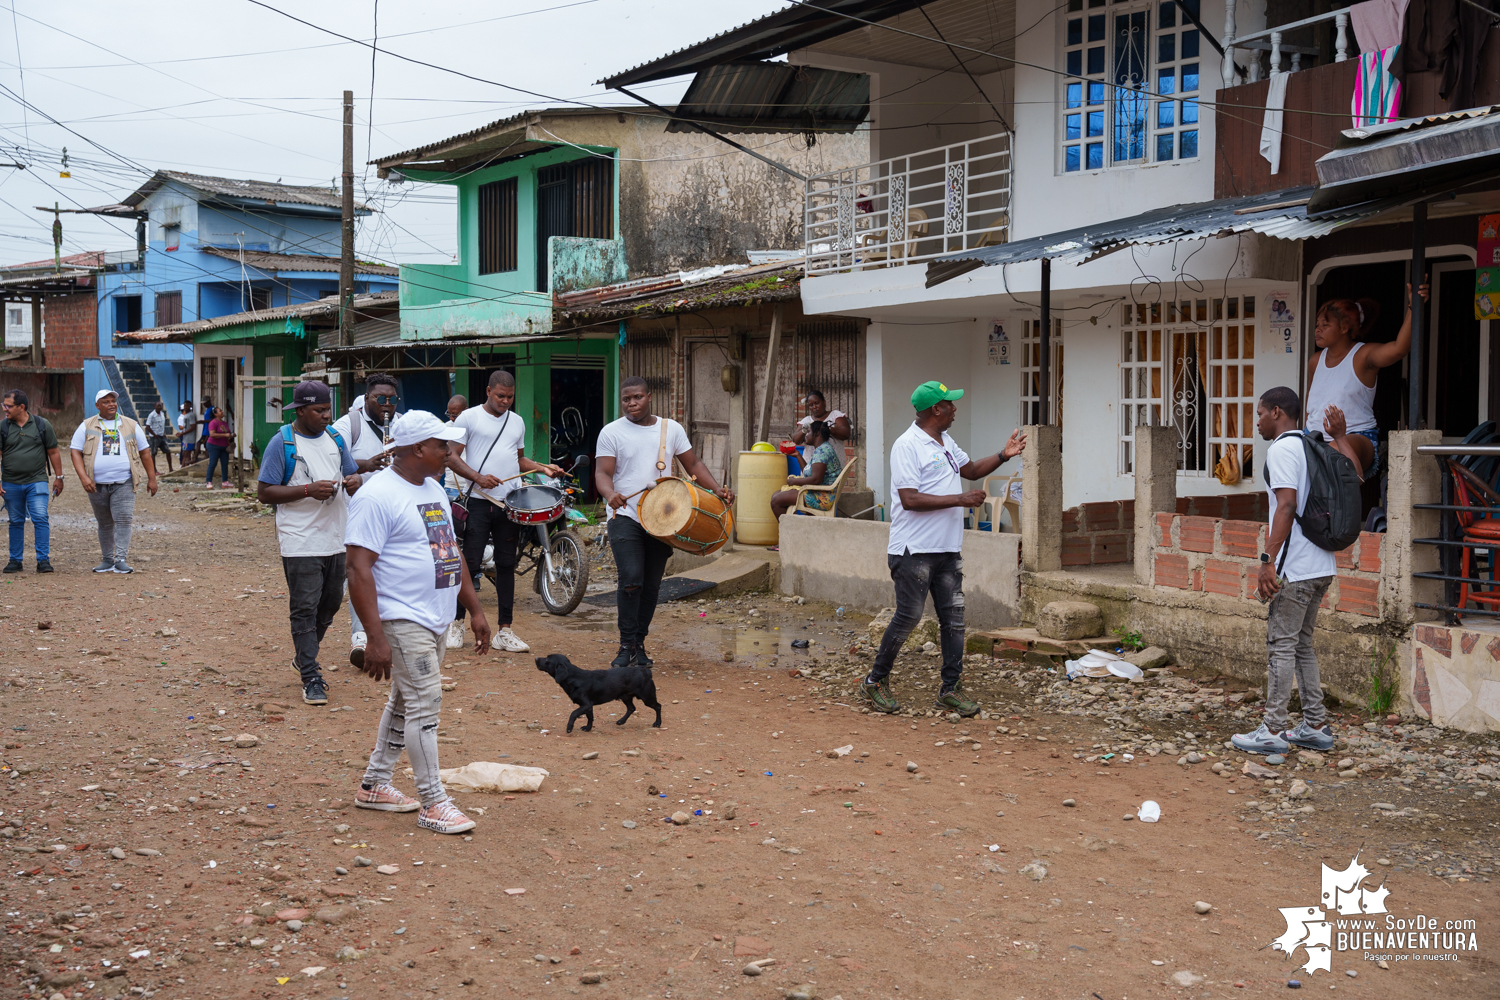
732 570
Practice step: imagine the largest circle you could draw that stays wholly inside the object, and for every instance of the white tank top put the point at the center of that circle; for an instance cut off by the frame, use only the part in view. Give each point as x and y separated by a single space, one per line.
1340 386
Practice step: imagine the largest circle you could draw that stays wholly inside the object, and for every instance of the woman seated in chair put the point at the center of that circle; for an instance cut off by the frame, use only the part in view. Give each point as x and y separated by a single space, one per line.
824 466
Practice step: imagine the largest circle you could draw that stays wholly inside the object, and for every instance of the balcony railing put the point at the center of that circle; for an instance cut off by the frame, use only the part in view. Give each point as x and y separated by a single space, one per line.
1270 40
909 209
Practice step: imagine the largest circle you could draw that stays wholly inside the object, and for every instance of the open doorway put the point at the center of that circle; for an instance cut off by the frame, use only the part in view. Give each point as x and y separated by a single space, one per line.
577 419
1458 384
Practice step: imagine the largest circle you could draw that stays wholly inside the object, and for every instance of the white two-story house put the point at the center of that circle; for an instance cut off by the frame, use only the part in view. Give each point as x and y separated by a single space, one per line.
1115 139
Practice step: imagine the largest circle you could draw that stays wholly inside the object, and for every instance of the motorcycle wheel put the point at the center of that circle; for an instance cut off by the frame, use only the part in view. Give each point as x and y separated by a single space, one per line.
562 593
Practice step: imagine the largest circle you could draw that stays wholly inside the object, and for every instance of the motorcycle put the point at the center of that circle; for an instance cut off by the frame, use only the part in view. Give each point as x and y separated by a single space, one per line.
553 549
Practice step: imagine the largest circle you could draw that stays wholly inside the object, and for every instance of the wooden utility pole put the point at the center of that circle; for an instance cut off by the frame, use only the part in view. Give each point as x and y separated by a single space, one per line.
773 355
346 262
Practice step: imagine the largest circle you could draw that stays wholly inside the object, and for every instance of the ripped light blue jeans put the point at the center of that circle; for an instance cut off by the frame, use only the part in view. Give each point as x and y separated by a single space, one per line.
410 719
917 574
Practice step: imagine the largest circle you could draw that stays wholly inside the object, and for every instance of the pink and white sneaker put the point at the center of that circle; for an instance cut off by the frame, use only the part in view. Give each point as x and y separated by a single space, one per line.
444 818
385 798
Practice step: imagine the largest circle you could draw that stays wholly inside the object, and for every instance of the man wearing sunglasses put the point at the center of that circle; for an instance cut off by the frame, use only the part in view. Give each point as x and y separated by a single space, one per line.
927 529
363 431
363 427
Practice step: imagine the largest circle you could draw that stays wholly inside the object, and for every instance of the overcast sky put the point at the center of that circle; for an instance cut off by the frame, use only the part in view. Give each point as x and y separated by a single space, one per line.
234 89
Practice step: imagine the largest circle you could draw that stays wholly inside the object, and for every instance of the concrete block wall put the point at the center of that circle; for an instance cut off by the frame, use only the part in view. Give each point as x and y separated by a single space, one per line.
1221 556
1096 534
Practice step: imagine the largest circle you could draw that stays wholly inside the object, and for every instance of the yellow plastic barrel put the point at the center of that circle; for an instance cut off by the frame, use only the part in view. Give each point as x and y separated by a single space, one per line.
759 476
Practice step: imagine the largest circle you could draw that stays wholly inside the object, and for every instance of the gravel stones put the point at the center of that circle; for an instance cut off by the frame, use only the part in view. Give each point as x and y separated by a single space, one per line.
681 818
117 853
1149 658
628 824
246 740
1298 789
294 925
1254 770
1201 907
1069 803
388 869
148 852
911 767
1035 870
362 862
1276 758
1184 978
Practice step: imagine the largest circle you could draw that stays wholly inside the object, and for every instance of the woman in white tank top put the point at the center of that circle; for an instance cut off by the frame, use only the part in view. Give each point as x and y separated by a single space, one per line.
1341 375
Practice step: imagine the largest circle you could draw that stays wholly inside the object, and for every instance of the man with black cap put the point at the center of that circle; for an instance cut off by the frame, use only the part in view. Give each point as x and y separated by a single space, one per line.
308 474
927 532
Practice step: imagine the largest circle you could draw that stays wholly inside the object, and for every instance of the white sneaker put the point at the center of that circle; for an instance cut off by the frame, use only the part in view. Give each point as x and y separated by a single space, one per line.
357 645
508 641
456 635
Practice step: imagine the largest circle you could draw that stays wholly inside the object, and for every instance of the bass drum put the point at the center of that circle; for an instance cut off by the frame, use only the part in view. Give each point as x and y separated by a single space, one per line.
686 516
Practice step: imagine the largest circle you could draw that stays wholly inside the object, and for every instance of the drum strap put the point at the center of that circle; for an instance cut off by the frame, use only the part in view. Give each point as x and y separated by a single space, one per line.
661 451
479 469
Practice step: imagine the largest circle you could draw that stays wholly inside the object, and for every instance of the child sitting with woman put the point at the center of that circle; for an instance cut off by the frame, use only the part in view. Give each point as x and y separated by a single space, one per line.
824 466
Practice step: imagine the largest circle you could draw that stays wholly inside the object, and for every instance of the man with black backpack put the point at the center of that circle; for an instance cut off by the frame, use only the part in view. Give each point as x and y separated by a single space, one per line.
308 474
1314 500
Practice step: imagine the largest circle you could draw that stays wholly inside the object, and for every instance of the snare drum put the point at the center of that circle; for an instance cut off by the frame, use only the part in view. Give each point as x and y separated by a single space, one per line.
686 516
535 504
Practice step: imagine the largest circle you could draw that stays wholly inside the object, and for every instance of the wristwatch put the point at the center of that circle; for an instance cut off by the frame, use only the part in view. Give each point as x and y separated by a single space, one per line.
1265 557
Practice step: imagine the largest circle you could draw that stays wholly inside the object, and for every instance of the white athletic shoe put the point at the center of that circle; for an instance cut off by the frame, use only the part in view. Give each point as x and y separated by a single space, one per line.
509 642
456 635
357 649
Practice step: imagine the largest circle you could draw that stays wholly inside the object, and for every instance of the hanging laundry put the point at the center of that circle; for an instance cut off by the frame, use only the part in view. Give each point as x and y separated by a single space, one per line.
1270 126
1378 24
1377 92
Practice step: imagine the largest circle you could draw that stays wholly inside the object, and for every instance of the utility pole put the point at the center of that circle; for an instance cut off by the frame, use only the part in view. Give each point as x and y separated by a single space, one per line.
346 263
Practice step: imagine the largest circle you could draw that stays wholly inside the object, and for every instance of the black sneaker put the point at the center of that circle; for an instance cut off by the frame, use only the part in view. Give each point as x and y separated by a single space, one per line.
623 657
44 567
641 659
14 566
314 692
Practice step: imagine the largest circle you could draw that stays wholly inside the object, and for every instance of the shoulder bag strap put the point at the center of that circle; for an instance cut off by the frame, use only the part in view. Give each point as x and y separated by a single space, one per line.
479 469
661 451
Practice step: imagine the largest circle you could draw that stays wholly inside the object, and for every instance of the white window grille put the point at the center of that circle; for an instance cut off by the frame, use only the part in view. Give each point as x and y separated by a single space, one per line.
1132 84
1031 372
1190 365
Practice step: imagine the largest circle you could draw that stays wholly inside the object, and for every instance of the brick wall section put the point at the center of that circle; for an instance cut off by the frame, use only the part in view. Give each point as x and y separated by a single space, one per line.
1094 534
71 324
1222 556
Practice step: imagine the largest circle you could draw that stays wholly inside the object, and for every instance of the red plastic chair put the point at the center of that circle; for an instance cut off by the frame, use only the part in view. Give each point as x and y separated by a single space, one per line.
1482 526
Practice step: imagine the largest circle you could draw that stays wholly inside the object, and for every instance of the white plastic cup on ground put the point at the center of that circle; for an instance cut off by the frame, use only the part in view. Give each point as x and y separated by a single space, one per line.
1149 812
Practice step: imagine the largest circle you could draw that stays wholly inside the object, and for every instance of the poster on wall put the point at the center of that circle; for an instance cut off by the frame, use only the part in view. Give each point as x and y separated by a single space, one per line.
1487 273
999 353
1281 315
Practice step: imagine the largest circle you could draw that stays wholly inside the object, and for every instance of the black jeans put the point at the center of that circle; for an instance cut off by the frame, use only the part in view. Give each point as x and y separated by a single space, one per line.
916 575
315 591
640 560
487 523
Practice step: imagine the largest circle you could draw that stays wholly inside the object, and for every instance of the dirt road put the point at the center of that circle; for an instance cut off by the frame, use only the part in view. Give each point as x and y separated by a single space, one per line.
1004 865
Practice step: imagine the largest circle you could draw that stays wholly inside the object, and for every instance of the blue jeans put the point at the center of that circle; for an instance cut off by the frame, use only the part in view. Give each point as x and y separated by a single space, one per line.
217 453
23 501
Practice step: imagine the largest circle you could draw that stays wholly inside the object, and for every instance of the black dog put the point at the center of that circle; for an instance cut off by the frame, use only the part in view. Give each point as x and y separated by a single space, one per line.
588 688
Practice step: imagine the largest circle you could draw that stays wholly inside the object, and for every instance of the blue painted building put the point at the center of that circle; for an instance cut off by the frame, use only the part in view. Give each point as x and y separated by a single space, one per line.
210 247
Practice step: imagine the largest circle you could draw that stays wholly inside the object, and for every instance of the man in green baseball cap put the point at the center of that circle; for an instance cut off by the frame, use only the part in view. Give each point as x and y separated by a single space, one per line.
927 528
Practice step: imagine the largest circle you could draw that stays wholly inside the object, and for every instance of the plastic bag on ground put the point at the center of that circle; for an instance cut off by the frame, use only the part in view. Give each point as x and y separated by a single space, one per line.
487 776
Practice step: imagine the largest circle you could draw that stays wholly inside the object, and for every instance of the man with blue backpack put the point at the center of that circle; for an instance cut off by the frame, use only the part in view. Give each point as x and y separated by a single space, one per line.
308 475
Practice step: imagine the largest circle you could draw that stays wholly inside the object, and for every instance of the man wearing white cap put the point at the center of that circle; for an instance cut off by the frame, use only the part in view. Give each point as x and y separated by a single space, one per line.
406 577
111 456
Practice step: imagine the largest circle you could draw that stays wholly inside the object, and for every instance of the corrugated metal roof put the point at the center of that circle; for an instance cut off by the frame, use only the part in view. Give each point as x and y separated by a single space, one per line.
229 187
1282 214
1410 158
779 281
492 143
183 333
988 26
774 97
265 261
89 258
796 27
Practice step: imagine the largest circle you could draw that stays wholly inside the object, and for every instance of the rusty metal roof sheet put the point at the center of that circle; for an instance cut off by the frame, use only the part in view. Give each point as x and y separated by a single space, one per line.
778 281
266 261
183 333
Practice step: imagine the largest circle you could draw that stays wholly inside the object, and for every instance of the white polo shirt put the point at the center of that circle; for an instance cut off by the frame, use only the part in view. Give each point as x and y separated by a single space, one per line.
920 463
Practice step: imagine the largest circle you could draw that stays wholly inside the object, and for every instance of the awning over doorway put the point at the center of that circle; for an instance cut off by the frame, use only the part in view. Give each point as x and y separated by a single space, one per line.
1282 214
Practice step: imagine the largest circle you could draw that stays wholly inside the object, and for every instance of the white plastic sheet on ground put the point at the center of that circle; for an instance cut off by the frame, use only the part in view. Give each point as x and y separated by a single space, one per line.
487 776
